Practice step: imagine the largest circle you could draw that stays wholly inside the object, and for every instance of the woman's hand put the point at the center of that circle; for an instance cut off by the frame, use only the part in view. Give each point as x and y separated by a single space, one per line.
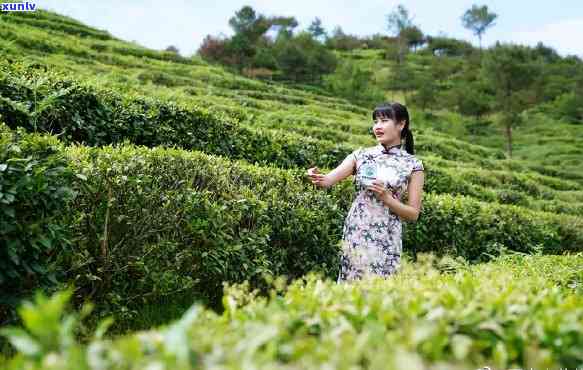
381 192
316 177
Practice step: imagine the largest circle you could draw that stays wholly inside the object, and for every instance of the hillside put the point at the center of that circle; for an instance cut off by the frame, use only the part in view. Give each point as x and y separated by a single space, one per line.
542 141
98 60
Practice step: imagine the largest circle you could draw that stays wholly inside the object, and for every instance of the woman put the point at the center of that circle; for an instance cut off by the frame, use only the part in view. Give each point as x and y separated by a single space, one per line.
371 241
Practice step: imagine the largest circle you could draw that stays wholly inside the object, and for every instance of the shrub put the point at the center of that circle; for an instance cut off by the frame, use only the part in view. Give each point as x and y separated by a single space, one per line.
516 312
35 191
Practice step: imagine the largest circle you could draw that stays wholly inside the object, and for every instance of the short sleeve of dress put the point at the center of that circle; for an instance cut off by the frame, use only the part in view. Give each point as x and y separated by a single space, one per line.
354 156
417 165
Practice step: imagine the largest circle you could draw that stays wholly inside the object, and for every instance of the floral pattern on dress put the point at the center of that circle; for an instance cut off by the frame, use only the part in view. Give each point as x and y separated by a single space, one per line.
372 233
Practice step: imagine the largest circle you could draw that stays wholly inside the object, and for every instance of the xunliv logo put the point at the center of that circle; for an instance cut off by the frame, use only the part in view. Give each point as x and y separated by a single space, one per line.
18 7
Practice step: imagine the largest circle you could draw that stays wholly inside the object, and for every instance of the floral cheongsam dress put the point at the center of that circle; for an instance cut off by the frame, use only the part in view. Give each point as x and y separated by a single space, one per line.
371 240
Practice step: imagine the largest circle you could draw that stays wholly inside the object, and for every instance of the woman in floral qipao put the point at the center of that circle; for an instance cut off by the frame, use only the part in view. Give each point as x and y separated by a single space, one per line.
371 241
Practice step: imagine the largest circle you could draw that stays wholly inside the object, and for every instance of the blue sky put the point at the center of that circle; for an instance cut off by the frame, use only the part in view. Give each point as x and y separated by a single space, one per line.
184 23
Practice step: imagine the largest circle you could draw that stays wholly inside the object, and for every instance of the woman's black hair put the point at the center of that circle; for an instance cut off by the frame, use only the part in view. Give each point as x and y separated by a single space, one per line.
397 112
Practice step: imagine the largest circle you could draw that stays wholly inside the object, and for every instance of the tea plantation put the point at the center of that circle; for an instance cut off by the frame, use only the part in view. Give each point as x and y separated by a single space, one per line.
171 194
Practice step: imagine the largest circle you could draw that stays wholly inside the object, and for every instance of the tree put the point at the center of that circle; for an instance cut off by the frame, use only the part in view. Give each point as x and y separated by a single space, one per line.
509 69
478 19
397 21
342 41
379 41
286 25
426 91
569 105
547 53
442 45
250 29
241 51
265 58
246 23
471 100
214 49
316 29
302 57
401 79
172 49
355 84
413 37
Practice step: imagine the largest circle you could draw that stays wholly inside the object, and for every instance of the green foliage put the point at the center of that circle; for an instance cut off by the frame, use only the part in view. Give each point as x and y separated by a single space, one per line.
413 36
511 72
401 24
298 58
402 78
180 222
154 228
35 192
171 232
569 106
339 40
471 99
316 29
303 58
515 312
353 83
57 23
426 93
444 46
248 25
85 114
448 225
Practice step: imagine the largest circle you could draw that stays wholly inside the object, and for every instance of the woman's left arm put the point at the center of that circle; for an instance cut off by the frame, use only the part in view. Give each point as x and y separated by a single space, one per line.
410 211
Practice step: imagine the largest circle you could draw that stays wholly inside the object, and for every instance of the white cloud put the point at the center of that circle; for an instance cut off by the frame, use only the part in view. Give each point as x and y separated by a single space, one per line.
564 36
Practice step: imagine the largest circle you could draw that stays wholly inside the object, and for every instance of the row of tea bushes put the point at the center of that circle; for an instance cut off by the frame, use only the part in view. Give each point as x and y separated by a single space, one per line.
139 178
179 220
526 190
151 222
252 219
40 21
515 312
173 220
43 15
86 114
443 146
71 36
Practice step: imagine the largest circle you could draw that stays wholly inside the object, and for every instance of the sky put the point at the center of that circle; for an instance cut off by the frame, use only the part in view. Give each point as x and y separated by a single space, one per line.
185 23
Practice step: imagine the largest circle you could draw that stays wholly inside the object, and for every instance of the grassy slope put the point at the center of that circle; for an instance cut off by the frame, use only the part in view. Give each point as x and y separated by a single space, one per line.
105 62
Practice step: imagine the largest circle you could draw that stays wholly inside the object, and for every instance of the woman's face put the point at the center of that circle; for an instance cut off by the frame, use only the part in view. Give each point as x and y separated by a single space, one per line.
386 131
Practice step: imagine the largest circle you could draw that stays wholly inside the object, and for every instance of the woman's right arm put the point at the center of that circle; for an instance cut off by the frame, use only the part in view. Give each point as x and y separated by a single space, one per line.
345 169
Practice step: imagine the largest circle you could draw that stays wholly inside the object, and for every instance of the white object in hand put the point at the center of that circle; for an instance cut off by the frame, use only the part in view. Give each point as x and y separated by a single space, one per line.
368 174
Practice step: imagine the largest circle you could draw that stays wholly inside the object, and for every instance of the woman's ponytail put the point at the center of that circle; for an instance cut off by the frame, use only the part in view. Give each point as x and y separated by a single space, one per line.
409 142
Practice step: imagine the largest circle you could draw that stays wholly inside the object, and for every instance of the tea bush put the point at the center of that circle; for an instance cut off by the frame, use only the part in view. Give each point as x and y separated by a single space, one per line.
35 191
514 312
